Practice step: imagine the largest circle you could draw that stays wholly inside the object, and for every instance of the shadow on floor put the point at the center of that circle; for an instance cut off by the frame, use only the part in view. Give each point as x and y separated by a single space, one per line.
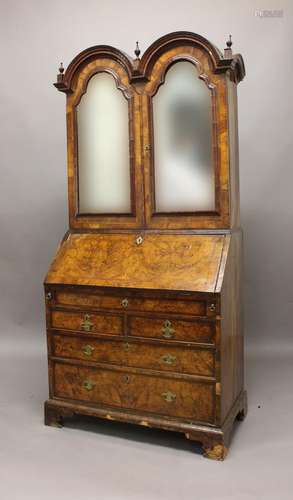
156 437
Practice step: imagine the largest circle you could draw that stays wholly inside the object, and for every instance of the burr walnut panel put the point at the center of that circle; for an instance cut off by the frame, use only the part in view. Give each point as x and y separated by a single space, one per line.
86 299
160 261
180 330
136 354
160 395
96 323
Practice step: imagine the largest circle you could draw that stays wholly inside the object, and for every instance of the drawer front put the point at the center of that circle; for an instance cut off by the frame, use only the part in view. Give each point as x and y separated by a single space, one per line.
137 355
87 322
164 396
197 308
189 331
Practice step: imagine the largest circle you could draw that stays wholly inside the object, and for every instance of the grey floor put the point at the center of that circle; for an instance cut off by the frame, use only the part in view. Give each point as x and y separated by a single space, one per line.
95 459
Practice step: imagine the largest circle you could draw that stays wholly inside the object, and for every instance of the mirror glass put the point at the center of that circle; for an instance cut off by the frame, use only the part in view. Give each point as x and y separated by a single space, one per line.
103 148
182 121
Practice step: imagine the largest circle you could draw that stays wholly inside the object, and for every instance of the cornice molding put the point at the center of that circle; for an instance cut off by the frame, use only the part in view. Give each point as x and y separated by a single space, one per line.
140 70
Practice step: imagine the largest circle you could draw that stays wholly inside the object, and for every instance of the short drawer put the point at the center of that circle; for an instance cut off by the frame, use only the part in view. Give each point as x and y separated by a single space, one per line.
87 322
136 354
86 299
160 395
167 329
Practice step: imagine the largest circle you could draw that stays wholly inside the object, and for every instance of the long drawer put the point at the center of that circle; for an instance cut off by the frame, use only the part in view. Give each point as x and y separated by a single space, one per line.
130 303
161 395
135 354
94 322
181 330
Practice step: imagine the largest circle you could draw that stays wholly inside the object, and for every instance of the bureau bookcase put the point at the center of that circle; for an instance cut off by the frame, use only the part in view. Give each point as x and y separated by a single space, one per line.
143 297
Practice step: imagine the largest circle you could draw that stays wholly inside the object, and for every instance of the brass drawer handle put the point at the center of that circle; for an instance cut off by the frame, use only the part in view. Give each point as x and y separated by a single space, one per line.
169 359
87 350
169 396
86 324
212 307
88 385
167 330
124 303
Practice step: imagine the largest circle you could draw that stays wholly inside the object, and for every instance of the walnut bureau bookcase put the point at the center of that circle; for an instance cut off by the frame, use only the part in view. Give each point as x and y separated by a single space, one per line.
143 297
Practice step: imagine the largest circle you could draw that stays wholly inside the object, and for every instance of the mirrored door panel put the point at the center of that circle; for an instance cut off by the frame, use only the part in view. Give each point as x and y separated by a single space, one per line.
182 126
103 148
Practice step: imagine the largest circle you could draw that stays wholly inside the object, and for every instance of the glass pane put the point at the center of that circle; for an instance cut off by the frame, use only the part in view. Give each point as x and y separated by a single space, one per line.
182 118
103 148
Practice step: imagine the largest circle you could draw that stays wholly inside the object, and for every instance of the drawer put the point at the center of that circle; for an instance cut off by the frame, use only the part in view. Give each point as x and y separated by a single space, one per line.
87 322
86 299
159 395
181 330
136 354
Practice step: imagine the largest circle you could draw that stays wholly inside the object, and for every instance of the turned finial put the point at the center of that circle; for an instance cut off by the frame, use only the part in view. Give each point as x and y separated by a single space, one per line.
228 50
229 42
137 51
60 75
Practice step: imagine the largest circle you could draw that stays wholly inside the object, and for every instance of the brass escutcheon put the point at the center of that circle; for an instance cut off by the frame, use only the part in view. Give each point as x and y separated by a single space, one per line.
124 303
88 350
86 323
169 359
212 307
49 296
88 385
168 396
126 346
147 147
139 240
126 379
167 329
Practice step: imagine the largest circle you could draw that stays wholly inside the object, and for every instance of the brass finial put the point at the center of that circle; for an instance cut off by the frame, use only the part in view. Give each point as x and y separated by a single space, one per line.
61 68
137 51
228 50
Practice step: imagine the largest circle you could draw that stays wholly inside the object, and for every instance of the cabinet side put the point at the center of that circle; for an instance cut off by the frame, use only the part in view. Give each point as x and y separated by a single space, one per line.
233 153
232 377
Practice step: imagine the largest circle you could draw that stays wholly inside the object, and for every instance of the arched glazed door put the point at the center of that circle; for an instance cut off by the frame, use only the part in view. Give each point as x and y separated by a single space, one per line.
105 185
186 162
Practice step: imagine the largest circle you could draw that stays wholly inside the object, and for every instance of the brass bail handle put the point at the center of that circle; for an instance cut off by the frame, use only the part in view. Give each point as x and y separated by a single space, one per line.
88 350
169 396
167 330
86 323
169 359
88 385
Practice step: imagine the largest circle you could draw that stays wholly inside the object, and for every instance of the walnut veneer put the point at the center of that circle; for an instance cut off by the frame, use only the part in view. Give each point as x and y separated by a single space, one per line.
143 309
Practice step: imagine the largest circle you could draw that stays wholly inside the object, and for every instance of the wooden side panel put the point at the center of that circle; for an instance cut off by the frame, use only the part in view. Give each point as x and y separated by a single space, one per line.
176 398
136 354
160 262
181 330
231 327
233 153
